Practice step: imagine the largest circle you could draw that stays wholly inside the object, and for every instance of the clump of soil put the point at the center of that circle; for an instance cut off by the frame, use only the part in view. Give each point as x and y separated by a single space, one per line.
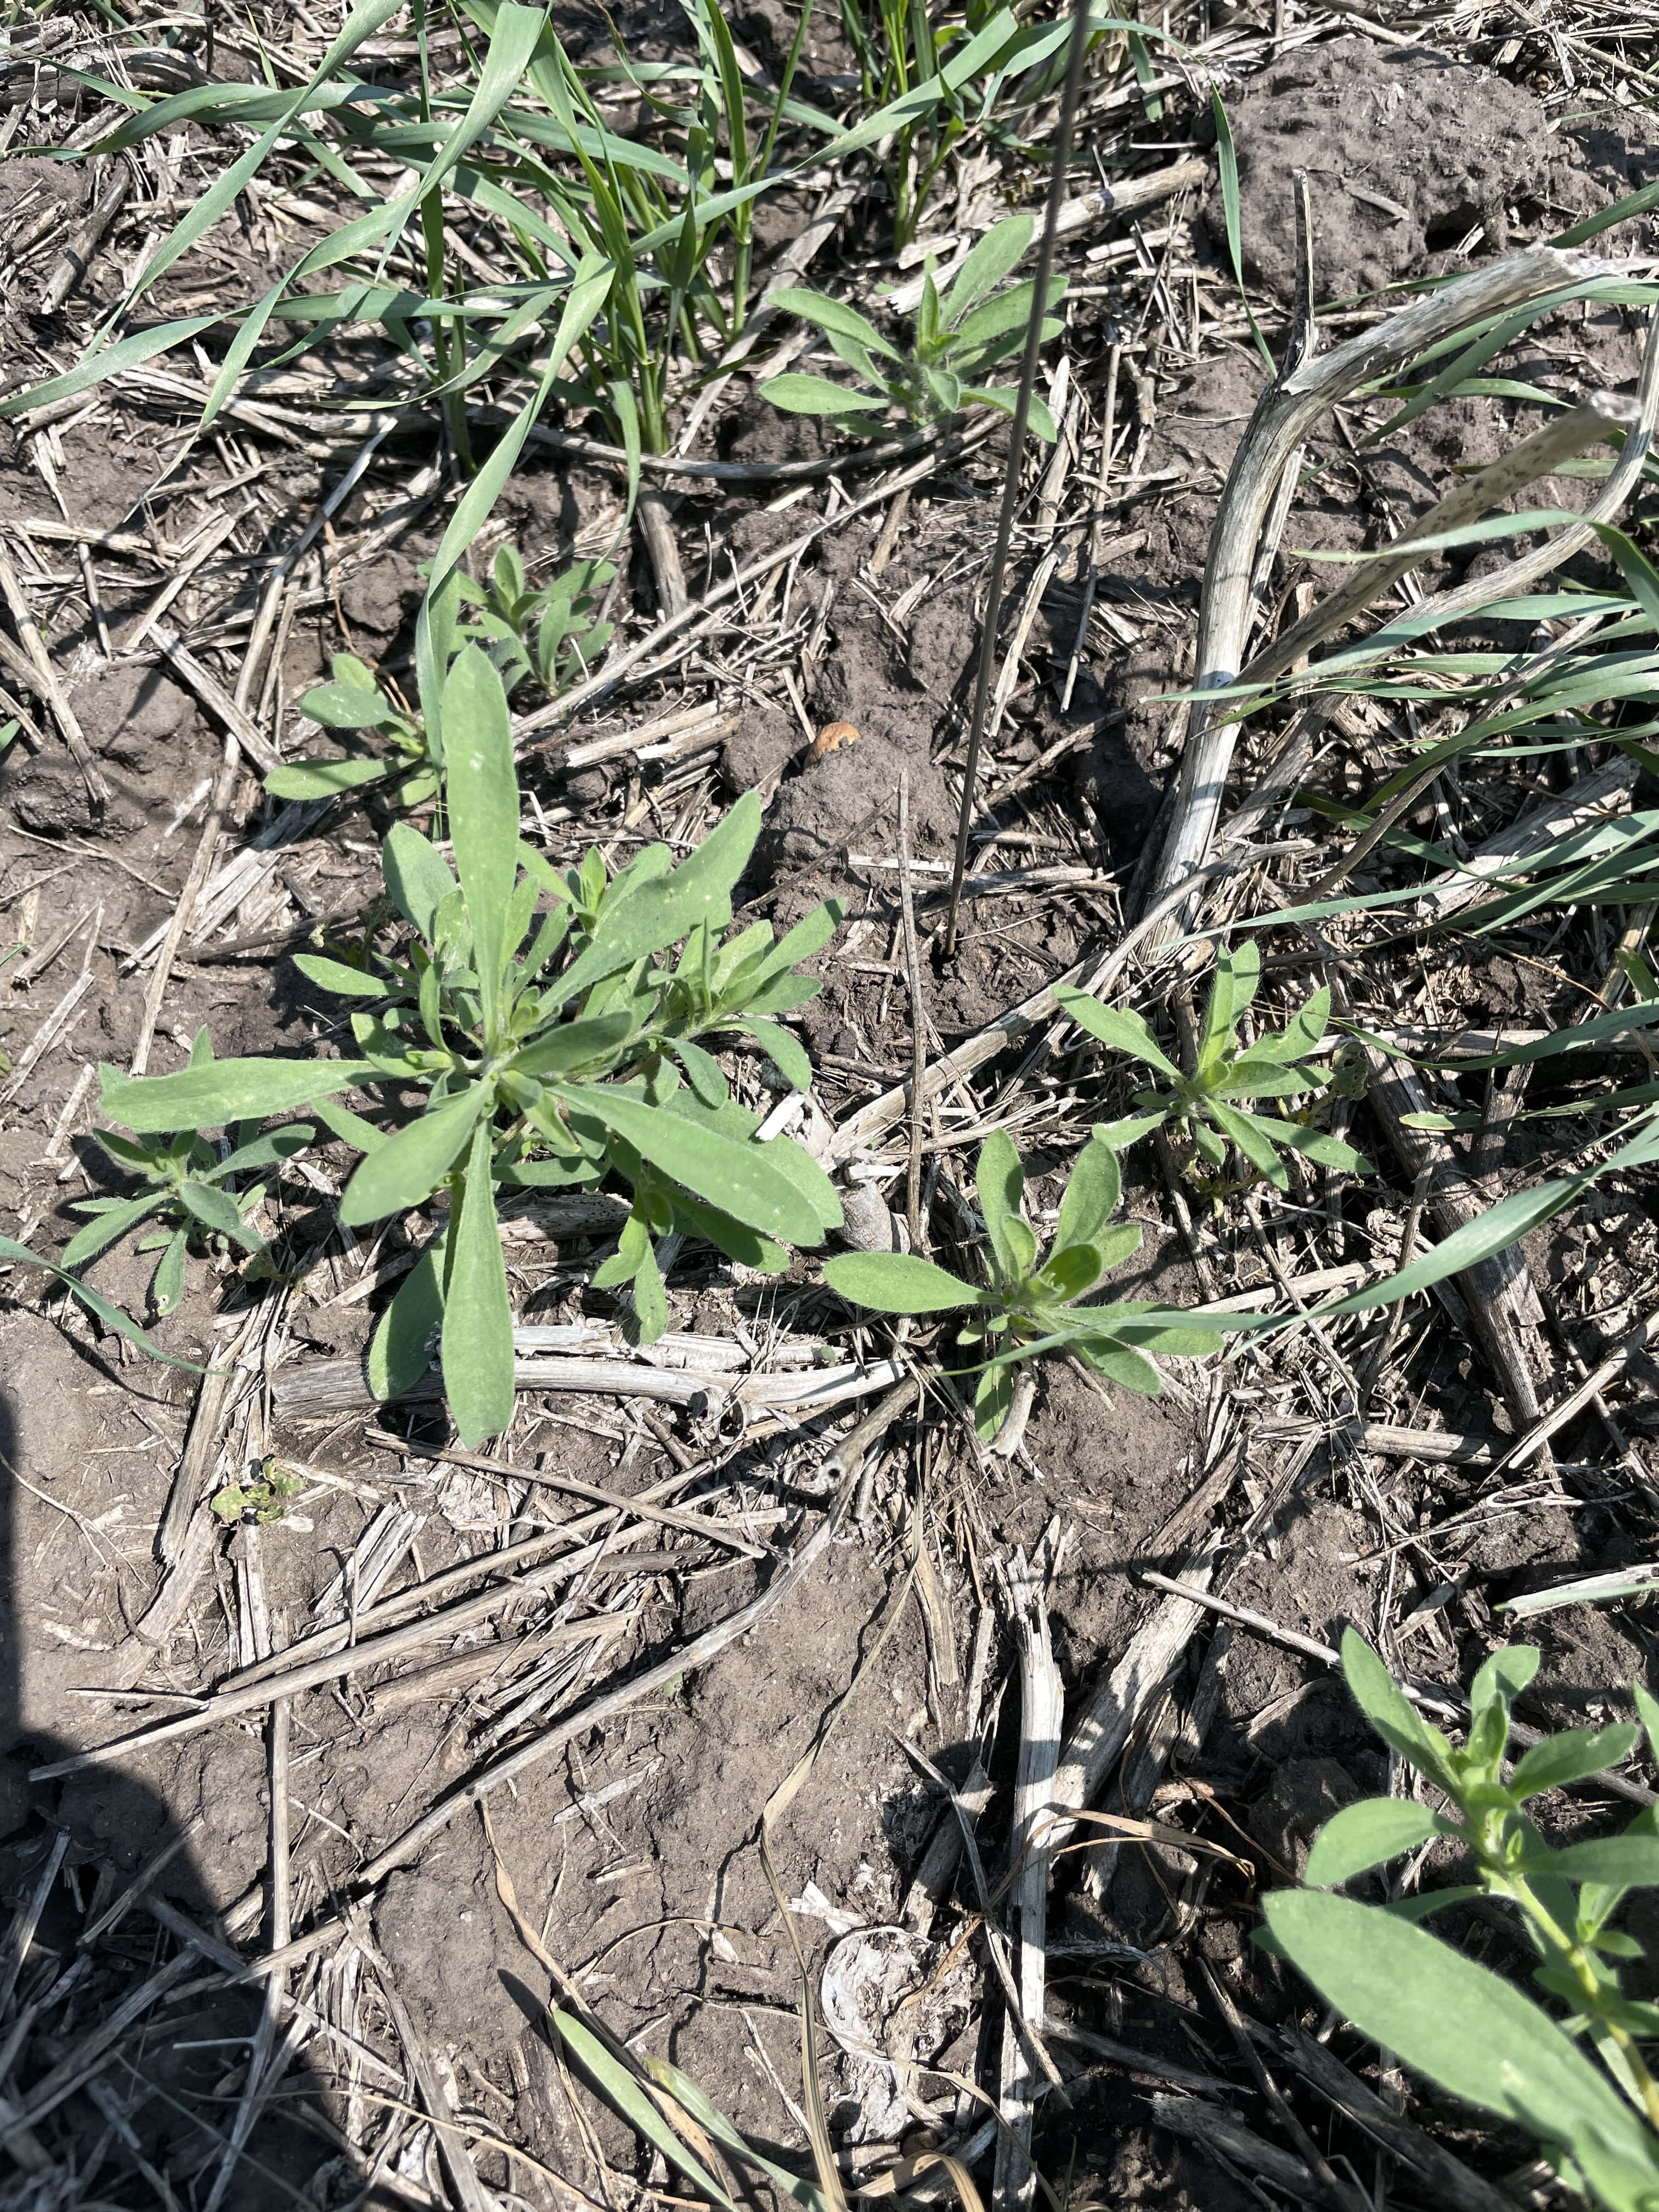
1405 151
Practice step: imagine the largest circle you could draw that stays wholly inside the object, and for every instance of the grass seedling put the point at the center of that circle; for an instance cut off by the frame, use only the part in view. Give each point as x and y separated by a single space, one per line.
553 1044
190 1195
1207 1109
954 344
1468 2030
1030 1305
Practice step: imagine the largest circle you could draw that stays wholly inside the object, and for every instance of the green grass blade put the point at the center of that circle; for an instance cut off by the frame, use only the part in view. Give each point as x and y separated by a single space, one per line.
1227 156
110 1315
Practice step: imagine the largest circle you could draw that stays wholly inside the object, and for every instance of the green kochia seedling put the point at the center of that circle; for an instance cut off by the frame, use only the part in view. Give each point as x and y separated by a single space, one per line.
956 342
355 703
263 1498
536 1072
186 1195
1459 2023
543 634
1208 1107
1029 1307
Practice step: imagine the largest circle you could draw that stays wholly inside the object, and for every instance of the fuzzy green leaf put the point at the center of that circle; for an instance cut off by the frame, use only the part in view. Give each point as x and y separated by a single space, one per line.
993 1402
783 1049
992 259
897 1283
409 1166
400 1350
739 1177
483 811
334 976
218 1210
224 1090
417 877
1000 1182
112 1222
835 317
476 1342
1471 2031
1367 1835
1386 1706
815 395
1069 1272
1573 1756
325 779
1091 1195
1113 1026
348 706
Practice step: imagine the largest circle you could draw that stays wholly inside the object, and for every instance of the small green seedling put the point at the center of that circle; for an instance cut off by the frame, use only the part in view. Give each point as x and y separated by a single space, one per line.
1207 1108
551 1043
1463 2026
1029 1306
543 635
956 341
187 1191
356 705
264 1500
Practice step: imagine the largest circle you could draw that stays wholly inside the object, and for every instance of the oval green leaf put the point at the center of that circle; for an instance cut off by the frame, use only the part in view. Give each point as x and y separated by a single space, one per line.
897 1283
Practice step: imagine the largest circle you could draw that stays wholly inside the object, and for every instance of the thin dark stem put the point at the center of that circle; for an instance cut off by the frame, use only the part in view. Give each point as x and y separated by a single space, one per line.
1077 54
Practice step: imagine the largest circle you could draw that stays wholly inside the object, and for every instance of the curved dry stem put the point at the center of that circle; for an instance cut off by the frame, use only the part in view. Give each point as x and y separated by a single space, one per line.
1283 417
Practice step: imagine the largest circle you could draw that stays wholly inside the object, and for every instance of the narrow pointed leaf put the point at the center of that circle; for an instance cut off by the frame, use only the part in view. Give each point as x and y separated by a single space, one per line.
477 1339
483 810
224 1090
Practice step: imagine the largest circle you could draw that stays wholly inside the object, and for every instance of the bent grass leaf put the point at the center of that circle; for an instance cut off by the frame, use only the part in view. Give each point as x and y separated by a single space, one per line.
626 2095
112 1316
